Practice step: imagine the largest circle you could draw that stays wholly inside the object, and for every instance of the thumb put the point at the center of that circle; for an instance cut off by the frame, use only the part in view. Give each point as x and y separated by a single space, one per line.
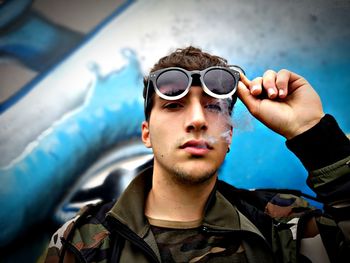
244 79
248 99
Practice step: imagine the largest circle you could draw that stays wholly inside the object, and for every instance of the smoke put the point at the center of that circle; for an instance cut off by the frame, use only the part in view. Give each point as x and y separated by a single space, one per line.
226 136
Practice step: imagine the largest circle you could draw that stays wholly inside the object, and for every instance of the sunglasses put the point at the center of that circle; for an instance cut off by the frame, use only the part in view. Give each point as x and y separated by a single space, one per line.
174 83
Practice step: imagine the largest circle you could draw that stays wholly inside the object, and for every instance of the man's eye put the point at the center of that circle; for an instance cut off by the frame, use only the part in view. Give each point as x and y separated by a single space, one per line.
214 107
173 105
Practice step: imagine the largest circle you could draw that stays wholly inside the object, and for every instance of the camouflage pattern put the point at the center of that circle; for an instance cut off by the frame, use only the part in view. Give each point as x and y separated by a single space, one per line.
286 205
190 245
284 219
88 240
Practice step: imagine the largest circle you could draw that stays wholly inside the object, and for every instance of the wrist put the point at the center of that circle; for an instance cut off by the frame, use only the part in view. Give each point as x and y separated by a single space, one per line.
304 127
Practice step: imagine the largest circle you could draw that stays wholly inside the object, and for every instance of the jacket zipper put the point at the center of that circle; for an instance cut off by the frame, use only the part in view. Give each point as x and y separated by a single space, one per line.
134 239
208 230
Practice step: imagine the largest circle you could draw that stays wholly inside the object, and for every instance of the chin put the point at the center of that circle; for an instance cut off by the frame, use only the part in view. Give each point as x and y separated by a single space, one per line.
196 174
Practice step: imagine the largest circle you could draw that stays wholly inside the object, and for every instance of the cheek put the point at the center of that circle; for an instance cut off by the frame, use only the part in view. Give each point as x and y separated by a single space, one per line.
220 118
160 137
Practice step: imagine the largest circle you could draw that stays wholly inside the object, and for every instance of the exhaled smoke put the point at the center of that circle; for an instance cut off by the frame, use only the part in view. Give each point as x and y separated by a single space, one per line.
226 135
211 139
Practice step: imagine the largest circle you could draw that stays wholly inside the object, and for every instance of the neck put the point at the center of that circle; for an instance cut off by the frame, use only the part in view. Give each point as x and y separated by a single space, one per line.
175 201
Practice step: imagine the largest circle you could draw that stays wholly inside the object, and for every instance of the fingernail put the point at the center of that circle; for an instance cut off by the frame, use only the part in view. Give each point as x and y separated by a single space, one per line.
281 92
271 92
254 88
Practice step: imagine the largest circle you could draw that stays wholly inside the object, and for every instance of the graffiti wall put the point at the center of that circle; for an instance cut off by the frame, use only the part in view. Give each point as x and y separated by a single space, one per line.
71 92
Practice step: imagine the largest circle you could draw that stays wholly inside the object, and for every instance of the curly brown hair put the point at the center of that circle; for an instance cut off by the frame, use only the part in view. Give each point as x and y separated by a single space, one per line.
189 58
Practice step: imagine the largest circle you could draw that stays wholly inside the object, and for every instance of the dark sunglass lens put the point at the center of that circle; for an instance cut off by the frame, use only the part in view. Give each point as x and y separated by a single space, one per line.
219 81
172 82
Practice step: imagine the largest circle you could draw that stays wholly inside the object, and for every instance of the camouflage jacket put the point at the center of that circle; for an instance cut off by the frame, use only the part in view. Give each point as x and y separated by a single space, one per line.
273 227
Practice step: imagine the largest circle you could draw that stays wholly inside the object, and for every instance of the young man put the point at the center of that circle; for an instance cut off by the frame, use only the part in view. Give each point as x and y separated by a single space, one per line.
178 210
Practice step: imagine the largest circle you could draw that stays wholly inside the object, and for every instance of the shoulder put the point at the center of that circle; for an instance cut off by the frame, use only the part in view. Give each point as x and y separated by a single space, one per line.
273 202
86 231
266 207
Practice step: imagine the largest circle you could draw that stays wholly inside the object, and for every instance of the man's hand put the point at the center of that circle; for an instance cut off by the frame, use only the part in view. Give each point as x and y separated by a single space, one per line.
290 106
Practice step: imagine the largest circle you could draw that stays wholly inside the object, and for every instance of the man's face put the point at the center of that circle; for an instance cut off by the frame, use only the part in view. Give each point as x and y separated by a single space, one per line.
189 136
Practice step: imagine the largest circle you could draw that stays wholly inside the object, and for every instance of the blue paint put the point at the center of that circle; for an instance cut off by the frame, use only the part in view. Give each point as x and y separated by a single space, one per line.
11 10
61 44
38 43
259 157
112 112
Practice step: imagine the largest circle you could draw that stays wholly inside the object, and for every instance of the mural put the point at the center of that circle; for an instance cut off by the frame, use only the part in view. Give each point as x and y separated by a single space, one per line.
74 125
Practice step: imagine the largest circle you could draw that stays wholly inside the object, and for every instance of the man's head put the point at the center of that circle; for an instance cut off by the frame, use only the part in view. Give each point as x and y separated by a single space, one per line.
189 58
189 130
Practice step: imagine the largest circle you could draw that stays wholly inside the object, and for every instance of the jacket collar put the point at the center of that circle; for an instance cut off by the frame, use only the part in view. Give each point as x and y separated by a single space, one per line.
220 214
129 209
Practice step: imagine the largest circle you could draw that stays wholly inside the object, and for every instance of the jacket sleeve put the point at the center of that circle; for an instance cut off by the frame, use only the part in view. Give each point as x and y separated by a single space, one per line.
83 238
54 249
324 150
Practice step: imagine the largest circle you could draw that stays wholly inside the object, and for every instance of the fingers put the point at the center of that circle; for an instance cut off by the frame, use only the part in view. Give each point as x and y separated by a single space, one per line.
244 93
274 84
269 83
255 86
282 80
244 79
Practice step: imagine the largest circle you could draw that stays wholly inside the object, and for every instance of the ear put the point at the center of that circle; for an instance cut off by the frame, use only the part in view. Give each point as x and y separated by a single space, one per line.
145 136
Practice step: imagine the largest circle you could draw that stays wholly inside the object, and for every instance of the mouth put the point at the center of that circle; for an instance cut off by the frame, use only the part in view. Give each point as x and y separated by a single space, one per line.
196 147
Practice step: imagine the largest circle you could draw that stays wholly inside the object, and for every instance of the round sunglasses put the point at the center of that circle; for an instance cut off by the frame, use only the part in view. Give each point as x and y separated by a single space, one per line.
174 83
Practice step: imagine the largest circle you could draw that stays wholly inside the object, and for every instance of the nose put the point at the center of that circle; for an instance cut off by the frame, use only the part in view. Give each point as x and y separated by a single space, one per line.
195 118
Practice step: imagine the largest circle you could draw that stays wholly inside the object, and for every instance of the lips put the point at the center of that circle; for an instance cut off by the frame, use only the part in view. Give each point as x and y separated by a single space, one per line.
196 147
